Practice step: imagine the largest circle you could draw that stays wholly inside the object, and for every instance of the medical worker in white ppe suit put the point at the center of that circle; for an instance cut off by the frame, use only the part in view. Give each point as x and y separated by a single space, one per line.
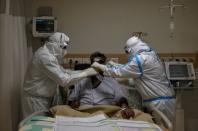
45 73
149 76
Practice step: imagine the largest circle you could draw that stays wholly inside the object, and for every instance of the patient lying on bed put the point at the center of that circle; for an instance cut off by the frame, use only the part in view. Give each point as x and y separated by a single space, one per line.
99 90
99 94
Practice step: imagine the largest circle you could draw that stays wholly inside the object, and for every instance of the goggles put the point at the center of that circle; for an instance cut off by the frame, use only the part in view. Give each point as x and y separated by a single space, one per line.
64 46
126 49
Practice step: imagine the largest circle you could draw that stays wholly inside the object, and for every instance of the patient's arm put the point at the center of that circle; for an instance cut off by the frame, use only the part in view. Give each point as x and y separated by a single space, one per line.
74 96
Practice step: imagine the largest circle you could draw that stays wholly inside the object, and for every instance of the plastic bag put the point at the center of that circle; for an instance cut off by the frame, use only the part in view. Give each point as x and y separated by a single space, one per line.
57 99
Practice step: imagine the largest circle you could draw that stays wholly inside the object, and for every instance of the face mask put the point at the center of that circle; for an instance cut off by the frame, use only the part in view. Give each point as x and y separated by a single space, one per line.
64 52
63 49
100 77
130 57
59 53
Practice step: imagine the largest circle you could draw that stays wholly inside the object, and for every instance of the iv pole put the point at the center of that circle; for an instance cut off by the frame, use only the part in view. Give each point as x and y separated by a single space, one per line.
172 7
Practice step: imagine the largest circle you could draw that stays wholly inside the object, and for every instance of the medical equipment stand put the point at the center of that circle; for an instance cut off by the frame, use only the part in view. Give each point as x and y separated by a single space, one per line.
179 120
179 112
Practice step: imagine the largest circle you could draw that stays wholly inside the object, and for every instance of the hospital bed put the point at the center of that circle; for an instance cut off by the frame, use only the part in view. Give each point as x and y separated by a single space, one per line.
43 121
40 121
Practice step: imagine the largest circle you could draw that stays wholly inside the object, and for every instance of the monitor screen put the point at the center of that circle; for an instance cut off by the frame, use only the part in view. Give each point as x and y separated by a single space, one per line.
45 25
178 71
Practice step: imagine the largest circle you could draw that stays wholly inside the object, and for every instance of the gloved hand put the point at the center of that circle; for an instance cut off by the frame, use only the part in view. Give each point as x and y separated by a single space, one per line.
74 76
101 67
88 72
112 63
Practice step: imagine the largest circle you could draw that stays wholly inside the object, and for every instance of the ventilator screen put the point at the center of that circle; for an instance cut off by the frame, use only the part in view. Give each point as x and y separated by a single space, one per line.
178 71
45 25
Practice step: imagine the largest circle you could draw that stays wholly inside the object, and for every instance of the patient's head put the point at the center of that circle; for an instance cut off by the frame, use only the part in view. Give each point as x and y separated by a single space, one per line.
98 57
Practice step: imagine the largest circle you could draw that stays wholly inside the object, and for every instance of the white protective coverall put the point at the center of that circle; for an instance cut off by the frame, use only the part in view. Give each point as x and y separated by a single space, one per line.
45 73
148 73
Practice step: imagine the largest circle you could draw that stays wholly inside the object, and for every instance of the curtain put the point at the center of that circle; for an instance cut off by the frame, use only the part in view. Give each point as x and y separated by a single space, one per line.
13 62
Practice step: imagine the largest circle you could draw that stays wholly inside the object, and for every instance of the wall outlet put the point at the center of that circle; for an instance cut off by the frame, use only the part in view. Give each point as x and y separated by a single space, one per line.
78 60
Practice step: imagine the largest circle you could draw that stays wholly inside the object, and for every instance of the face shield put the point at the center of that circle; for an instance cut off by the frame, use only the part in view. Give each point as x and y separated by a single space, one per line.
57 45
135 45
129 47
61 41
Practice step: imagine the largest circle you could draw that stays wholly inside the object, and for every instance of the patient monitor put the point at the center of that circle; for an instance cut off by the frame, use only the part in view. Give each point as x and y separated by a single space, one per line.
44 26
180 74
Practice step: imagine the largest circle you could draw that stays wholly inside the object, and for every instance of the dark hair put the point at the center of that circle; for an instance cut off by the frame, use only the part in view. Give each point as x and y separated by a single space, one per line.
101 57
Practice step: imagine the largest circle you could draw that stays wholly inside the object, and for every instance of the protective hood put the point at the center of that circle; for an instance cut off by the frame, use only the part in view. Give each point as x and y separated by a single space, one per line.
57 44
134 45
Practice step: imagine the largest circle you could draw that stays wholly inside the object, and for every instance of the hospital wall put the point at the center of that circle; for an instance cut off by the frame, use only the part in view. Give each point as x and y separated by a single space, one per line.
105 25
